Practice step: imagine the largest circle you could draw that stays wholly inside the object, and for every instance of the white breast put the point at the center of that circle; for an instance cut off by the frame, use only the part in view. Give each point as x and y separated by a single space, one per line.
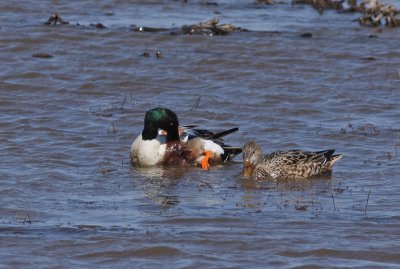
147 152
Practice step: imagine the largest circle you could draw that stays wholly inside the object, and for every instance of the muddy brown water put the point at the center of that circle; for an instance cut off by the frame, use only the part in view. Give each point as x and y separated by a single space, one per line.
70 197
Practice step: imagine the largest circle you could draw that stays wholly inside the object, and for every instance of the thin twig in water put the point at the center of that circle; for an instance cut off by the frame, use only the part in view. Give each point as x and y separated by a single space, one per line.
366 203
123 103
334 203
333 194
396 142
196 105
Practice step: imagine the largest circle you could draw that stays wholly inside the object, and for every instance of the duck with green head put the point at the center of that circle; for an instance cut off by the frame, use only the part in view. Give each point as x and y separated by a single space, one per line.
163 141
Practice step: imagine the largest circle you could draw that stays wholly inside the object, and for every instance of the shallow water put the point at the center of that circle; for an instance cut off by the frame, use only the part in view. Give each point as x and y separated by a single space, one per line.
70 197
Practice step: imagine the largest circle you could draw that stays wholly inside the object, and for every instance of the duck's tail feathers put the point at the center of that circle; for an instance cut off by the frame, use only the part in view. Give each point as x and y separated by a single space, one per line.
327 153
230 153
190 126
334 158
330 160
190 132
219 135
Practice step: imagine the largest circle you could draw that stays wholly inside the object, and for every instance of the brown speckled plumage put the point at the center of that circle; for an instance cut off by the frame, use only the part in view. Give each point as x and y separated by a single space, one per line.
285 164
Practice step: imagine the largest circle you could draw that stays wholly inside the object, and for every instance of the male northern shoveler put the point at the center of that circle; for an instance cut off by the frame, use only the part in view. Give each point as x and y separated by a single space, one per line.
285 164
163 141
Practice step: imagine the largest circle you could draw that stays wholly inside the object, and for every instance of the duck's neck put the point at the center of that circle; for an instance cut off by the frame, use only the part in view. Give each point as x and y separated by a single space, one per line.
259 156
172 136
149 133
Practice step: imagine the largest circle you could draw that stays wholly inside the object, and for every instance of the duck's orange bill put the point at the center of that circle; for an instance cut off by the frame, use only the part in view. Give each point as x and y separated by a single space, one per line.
204 163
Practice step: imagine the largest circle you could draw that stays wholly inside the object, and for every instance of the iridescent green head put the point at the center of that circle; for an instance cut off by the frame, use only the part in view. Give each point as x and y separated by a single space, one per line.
160 118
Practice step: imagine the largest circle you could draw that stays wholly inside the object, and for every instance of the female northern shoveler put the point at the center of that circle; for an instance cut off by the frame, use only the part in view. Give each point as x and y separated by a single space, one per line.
285 164
163 141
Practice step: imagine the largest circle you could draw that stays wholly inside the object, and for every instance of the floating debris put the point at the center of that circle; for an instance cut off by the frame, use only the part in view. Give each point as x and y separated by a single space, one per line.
374 12
106 171
377 13
210 27
265 2
98 25
147 54
148 29
55 19
368 58
87 226
301 207
42 55
306 35
207 3
365 130
321 5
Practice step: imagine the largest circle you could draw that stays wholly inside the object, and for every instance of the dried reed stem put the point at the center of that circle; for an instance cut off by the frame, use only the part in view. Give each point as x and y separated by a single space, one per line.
396 142
366 203
196 104
334 203
123 103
